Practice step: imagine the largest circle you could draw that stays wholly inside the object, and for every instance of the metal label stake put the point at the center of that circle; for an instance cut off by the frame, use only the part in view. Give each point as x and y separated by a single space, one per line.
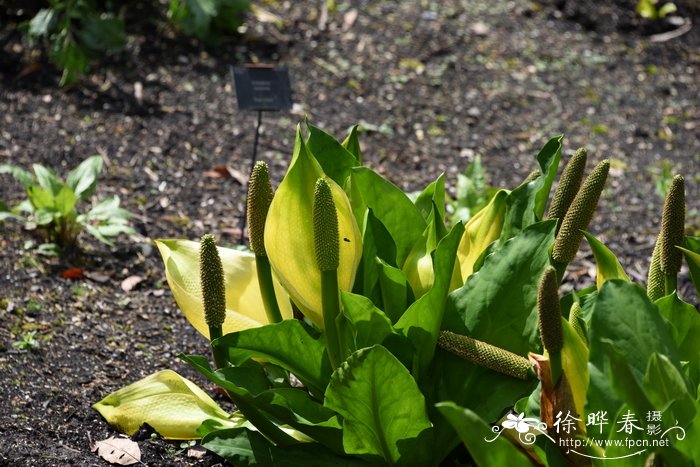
261 88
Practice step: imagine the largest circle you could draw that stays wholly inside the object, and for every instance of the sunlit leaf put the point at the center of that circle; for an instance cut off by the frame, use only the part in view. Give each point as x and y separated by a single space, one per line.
607 265
384 412
171 404
474 432
244 305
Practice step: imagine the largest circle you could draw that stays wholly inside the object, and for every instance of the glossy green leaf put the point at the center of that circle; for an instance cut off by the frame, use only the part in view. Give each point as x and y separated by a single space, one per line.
41 24
336 161
47 179
369 324
667 389
607 265
526 203
242 447
21 175
352 144
244 304
83 179
290 406
40 198
498 305
376 243
289 344
384 412
394 290
685 328
548 159
171 404
625 318
692 257
434 193
289 239
421 321
65 200
390 205
474 433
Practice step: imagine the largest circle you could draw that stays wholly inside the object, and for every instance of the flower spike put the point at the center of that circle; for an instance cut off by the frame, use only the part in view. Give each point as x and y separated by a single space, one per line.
325 218
212 281
259 199
569 184
580 214
672 228
486 355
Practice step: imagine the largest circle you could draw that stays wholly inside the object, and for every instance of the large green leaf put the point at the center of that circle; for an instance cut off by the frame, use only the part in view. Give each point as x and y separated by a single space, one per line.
369 324
376 243
607 265
498 304
692 257
47 179
83 179
434 193
289 344
352 144
335 160
394 290
390 205
421 321
668 391
290 406
527 202
242 447
65 201
548 159
625 319
474 433
685 327
24 177
384 412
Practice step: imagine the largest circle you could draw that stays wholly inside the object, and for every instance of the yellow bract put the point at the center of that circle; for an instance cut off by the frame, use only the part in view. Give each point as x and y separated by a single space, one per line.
244 305
480 231
171 404
289 237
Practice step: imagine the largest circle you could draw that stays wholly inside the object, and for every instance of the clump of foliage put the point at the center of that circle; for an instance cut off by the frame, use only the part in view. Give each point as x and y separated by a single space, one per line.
76 32
208 20
52 206
417 338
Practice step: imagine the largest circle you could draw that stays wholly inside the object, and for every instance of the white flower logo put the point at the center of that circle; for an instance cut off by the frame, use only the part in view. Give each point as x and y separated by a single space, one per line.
518 422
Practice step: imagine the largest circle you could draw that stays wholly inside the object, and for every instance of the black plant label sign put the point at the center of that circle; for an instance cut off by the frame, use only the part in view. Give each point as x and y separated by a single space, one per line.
262 87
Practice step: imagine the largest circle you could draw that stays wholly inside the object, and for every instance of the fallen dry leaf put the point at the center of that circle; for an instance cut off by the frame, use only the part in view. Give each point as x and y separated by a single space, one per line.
131 282
120 451
72 273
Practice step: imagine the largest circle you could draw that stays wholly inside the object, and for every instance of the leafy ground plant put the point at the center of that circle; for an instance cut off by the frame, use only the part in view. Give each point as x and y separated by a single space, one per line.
52 206
423 345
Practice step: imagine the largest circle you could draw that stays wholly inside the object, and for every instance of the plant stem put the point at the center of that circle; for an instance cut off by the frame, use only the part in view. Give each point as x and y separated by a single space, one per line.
267 289
670 283
219 353
331 311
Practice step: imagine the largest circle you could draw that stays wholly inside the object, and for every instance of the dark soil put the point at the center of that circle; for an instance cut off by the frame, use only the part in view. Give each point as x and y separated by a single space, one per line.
433 84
